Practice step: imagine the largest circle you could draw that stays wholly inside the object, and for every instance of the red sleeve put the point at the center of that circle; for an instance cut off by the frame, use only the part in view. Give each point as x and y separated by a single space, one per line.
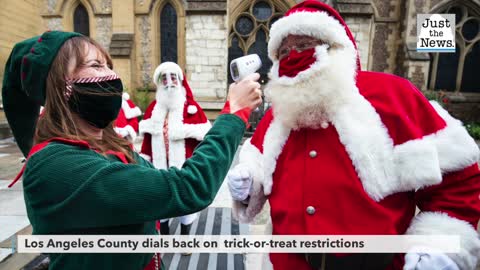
404 110
133 123
148 112
147 138
244 113
147 145
457 195
259 135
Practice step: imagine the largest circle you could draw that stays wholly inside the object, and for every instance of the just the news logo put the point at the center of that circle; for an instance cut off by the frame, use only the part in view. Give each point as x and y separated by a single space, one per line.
436 33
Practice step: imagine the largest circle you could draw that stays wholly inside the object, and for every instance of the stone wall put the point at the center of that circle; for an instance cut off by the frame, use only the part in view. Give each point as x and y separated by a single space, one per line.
206 56
104 30
19 20
361 28
144 51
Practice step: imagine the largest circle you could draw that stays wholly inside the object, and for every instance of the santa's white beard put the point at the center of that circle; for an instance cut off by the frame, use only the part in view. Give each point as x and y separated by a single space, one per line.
171 98
311 97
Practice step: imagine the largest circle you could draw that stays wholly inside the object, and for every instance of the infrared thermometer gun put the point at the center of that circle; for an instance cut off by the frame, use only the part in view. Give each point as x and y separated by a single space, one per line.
244 66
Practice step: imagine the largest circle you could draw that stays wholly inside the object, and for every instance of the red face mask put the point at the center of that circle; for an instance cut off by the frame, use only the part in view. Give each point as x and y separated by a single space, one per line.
296 62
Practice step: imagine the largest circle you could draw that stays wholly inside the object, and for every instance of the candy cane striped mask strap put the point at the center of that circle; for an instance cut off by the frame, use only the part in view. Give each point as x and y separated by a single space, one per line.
70 82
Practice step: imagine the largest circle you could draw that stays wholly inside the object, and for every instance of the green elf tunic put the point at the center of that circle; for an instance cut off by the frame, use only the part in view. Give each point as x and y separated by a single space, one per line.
70 189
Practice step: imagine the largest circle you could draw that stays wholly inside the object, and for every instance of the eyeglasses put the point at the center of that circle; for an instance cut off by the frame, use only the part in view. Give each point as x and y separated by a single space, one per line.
300 46
173 78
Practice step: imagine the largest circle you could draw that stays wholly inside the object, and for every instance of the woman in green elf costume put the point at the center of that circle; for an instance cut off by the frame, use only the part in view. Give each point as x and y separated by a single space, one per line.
82 178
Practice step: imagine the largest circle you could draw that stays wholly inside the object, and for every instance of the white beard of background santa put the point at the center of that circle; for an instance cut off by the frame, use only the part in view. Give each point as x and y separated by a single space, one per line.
344 151
186 125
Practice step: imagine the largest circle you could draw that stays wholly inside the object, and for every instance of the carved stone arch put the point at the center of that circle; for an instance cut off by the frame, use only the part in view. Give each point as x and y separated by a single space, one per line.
240 41
473 4
245 23
67 9
252 38
156 7
376 14
244 5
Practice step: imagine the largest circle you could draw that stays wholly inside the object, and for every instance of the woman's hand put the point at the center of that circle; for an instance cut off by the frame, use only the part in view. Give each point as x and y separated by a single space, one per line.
245 94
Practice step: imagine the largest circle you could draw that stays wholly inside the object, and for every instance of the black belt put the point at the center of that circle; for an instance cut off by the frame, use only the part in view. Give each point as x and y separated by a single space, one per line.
357 261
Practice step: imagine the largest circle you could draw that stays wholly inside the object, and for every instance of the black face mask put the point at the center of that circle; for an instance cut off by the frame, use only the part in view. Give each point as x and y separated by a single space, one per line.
96 100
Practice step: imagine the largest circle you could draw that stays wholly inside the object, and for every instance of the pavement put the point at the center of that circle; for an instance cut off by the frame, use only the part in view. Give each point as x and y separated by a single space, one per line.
13 216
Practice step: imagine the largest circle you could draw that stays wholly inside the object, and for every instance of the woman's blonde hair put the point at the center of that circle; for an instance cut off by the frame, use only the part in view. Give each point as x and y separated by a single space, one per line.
57 119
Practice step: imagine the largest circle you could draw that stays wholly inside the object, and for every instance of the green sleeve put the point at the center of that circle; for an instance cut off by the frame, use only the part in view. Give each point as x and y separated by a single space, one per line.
67 187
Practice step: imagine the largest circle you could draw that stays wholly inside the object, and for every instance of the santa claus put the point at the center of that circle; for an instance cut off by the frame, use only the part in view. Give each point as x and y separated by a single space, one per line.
126 124
345 151
173 125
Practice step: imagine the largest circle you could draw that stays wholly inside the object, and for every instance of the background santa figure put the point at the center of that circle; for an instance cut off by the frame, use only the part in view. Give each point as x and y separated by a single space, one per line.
126 124
172 126
345 151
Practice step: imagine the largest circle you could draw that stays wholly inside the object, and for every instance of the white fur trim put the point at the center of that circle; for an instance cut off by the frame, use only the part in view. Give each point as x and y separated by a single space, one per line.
125 96
146 157
422 162
251 158
192 109
127 131
275 138
197 131
154 126
151 126
176 152
130 112
266 262
159 155
456 148
416 164
430 223
368 145
382 168
315 24
167 67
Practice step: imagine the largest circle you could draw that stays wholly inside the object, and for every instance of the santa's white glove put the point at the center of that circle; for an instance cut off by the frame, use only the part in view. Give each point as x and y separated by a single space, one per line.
239 181
122 132
428 261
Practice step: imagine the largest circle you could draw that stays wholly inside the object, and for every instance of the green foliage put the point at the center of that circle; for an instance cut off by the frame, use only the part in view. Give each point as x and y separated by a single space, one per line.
439 96
474 130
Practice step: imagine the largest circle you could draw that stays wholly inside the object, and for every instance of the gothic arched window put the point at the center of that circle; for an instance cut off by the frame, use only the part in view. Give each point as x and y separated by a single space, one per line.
80 20
458 71
250 31
168 34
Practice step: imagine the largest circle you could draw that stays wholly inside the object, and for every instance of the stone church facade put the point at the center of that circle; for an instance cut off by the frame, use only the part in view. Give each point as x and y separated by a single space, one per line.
203 36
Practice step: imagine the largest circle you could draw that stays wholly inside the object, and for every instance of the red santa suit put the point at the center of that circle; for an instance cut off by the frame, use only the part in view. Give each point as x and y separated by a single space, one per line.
185 129
171 133
382 151
126 123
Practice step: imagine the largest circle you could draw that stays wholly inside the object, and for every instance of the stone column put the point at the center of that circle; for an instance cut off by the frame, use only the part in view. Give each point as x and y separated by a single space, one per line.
122 45
207 52
358 15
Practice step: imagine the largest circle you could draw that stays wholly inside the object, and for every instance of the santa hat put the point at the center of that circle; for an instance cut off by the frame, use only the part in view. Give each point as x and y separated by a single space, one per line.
24 83
311 18
170 67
